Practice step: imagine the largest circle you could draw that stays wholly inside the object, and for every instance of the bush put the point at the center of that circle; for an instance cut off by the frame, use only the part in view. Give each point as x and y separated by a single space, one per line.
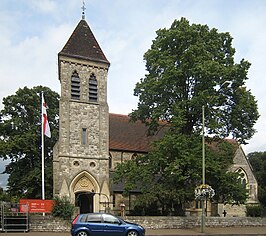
63 208
254 210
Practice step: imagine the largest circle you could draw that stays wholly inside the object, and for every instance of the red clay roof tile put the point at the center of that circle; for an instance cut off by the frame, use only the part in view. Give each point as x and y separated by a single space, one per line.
129 136
82 44
132 136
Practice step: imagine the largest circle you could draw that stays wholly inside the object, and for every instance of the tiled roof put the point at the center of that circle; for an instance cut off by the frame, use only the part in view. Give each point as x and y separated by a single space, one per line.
132 136
129 136
214 144
82 44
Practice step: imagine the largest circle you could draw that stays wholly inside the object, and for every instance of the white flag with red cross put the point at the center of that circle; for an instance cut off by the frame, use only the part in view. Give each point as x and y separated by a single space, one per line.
45 123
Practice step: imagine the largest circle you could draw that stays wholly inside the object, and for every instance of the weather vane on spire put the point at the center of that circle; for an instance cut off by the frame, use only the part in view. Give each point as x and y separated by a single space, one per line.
83 10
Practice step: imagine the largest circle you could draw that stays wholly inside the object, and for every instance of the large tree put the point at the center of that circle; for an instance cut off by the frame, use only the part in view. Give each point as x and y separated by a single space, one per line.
191 66
20 129
188 67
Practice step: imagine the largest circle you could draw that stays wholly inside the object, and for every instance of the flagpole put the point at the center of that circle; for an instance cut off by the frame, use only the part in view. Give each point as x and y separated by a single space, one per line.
43 193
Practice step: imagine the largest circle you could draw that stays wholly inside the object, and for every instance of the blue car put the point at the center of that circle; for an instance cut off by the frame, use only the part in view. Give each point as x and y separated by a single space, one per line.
102 224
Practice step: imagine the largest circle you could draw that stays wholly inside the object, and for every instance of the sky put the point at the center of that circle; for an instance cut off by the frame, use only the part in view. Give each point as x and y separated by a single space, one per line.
32 32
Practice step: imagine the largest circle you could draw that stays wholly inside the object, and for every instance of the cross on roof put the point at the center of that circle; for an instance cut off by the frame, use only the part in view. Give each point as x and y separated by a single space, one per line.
83 10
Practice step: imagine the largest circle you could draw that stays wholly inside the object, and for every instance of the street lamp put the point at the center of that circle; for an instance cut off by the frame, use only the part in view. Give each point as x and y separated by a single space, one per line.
200 191
204 191
203 215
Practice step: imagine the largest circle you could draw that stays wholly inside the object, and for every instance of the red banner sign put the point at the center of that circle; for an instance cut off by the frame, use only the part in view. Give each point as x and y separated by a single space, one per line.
36 205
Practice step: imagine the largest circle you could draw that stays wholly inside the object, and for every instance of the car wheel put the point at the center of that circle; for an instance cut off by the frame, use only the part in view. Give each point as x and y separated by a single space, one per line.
132 233
82 233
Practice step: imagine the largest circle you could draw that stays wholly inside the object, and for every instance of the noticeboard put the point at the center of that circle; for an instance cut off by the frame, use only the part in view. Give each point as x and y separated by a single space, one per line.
36 205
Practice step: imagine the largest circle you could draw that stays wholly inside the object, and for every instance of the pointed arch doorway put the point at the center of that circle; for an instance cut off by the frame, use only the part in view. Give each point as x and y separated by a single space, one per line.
85 201
84 186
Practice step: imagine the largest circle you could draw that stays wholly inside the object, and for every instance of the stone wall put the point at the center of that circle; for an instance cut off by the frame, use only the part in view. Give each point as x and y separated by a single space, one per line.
48 223
242 165
175 222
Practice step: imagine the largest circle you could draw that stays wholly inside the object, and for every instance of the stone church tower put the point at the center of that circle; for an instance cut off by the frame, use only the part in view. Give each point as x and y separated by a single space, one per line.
81 155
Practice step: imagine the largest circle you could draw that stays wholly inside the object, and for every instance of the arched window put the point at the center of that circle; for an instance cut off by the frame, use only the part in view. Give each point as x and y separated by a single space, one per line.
242 176
93 88
75 86
84 136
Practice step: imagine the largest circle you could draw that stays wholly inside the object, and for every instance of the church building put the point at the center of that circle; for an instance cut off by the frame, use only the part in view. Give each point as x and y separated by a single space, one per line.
92 141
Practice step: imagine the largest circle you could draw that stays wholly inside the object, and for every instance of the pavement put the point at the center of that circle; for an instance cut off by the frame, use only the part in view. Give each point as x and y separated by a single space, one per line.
227 231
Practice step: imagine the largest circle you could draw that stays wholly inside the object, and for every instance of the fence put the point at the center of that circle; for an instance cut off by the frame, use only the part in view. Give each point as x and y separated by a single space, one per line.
12 219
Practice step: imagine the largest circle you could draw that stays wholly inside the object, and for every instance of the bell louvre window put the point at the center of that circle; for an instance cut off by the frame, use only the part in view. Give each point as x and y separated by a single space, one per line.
93 89
75 86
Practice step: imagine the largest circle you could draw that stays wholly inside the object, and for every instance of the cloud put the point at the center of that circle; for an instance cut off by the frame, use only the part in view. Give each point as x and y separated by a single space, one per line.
46 6
34 31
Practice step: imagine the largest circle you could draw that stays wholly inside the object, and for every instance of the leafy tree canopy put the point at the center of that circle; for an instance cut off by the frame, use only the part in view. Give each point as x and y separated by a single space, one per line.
258 162
169 174
20 128
190 66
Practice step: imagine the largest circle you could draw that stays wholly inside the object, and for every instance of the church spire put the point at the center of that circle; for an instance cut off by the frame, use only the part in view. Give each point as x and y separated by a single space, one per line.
83 10
82 44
